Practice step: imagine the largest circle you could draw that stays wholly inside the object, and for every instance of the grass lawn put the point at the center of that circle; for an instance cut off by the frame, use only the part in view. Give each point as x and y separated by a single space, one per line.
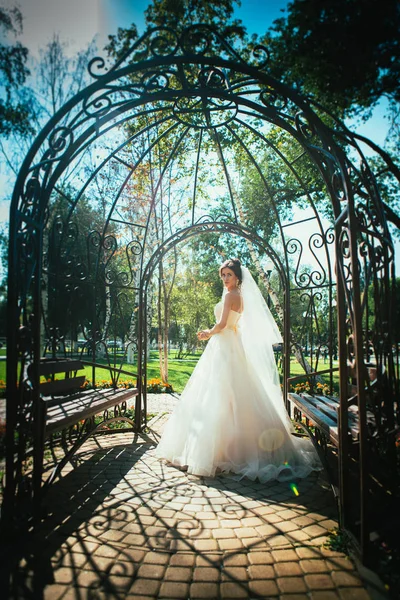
179 372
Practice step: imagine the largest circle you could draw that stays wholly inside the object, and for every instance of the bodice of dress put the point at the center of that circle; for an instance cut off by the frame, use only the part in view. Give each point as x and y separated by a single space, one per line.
233 317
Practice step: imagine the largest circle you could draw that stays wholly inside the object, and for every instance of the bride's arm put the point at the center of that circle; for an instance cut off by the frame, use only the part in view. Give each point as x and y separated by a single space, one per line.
207 333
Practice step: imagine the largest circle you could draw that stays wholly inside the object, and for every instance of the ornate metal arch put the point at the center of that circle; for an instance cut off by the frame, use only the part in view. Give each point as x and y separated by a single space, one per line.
206 225
188 92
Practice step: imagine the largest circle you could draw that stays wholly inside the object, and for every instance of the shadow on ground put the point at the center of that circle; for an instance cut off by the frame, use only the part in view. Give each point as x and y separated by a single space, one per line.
122 524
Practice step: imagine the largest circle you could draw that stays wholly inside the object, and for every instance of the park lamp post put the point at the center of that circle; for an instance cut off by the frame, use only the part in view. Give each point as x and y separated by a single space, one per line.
305 315
268 268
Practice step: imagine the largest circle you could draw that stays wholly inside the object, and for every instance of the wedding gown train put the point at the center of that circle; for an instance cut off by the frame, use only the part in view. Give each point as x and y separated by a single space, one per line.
230 419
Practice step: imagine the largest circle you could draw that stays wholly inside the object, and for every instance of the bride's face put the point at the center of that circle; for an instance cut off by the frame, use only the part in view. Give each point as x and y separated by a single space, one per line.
229 278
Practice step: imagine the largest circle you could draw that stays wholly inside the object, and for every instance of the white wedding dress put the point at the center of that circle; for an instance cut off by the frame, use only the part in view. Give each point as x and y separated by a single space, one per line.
229 419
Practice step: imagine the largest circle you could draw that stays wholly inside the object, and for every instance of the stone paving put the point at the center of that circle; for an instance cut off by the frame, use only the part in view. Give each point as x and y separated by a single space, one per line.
121 524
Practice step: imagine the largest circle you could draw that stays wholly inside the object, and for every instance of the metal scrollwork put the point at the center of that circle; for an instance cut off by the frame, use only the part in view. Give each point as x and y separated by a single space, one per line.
215 112
338 187
304 127
208 219
329 235
213 77
110 246
94 239
197 40
155 81
59 141
29 198
163 43
98 105
369 221
97 67
345 243
271 98
262 56
302 277
317 241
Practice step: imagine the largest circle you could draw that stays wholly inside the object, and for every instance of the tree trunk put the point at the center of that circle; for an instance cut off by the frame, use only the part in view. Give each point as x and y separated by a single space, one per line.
165 337
160 333
107 318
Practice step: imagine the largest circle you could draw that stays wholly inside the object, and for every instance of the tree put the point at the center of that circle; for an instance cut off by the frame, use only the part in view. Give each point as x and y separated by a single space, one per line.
60 76
53 80
345 54
73 295
191 308
178 14
14 111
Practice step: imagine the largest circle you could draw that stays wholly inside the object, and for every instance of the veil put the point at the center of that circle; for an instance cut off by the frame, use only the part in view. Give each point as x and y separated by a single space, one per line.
259 332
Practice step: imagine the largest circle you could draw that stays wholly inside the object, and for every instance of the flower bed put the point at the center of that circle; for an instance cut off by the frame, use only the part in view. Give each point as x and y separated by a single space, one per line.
157 386
154 386
304 386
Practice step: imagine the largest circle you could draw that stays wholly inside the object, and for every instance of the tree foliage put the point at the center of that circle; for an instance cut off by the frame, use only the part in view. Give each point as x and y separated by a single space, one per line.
53 80
182 13
178 14
192 304
14 112
71 266
345 54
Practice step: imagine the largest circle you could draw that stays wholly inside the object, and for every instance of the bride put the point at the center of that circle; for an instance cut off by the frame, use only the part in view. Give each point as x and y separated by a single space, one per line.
231 415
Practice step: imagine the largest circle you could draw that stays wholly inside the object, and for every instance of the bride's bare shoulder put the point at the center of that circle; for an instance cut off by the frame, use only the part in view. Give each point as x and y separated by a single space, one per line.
232 295
233 300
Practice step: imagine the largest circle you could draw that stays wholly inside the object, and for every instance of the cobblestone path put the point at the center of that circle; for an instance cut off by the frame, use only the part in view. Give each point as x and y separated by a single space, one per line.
121 524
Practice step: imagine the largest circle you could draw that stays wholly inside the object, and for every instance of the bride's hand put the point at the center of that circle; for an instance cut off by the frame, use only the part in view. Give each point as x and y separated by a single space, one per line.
203 335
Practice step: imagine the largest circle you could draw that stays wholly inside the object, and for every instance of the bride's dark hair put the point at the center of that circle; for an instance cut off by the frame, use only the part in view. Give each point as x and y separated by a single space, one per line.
235 265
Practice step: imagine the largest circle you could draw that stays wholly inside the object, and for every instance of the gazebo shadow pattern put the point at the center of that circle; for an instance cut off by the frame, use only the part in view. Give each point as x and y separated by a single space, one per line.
122 524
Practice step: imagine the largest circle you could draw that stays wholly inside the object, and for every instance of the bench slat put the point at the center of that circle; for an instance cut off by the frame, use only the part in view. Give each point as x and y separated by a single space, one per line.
330 406
51 367
333 402
61 386
80 407
319 404
310 406
328 425
352 412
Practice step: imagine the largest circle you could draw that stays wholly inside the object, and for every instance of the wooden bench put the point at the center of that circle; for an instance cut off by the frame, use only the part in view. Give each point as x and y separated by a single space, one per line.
318 415
321 413
66 407
360 480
